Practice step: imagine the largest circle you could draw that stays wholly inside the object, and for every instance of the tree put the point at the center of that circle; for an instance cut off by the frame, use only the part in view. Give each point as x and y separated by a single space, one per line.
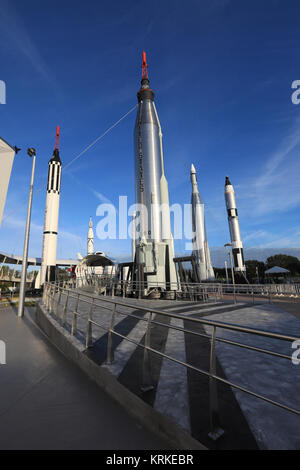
251 266
292 263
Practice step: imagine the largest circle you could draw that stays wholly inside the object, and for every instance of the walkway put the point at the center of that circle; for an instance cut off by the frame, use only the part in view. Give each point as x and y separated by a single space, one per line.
46 402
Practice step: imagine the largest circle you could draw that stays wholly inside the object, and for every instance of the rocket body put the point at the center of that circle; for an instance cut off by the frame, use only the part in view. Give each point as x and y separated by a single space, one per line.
90 239
200 245
234 228
148 169
154 241
48 265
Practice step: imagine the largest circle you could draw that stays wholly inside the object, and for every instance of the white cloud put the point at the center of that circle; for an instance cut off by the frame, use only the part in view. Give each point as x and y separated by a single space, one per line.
276 187
101 197
16 34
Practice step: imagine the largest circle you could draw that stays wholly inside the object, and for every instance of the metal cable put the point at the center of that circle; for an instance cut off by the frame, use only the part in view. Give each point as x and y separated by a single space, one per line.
79 155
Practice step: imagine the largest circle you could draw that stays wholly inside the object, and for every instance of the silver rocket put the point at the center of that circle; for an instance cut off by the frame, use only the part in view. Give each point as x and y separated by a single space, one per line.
90 239
234 228
200 245
154 241
51 216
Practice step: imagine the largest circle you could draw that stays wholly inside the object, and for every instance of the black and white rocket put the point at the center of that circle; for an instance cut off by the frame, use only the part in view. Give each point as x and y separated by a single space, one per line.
51 216
200 245
234 228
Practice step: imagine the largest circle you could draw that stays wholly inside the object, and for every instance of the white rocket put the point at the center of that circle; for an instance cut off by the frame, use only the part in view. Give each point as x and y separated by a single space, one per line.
51 216
154 241
90 239
234 228
200 245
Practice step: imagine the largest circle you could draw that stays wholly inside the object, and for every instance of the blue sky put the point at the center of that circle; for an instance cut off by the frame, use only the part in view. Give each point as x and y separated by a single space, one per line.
222 72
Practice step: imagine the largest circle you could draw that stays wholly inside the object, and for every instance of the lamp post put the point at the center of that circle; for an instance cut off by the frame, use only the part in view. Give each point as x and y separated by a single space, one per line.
31 153
226 271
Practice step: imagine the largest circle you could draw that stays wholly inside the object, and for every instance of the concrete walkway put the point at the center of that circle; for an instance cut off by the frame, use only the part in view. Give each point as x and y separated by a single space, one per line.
46 402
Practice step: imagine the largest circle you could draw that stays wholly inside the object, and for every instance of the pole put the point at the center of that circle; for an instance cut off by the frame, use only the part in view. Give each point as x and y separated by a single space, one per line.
31 152
226 270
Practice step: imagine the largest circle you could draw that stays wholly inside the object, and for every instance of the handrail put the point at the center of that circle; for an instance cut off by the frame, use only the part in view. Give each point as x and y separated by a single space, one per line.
223 325
49 299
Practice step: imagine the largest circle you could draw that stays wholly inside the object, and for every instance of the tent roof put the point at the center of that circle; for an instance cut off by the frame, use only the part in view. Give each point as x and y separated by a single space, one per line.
276 270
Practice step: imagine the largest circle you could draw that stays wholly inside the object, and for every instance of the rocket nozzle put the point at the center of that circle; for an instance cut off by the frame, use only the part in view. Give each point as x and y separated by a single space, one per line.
57 139
144 67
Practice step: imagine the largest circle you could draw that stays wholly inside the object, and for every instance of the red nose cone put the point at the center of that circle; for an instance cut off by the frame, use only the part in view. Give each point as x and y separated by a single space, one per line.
144 66
57 139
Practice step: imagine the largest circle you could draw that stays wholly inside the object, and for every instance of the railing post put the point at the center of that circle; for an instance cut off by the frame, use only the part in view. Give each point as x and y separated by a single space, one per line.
52 294
110 350
234 294
64 316
147 382
74 318
215 429
57 305
269 294
48 297
89 330
44 296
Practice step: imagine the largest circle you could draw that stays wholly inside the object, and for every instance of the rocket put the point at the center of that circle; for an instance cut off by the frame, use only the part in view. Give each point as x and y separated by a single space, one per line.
154 241
200 245
90 238
234 228
51 216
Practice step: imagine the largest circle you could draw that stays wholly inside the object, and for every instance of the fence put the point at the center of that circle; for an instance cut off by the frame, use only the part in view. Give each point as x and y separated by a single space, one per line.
206 292
64 305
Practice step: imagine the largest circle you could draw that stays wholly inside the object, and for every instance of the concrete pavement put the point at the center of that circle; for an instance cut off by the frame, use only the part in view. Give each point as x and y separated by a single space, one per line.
46 402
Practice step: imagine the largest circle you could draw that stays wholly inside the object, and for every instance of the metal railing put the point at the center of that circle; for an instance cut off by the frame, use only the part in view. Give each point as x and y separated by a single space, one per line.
205 292
53 300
